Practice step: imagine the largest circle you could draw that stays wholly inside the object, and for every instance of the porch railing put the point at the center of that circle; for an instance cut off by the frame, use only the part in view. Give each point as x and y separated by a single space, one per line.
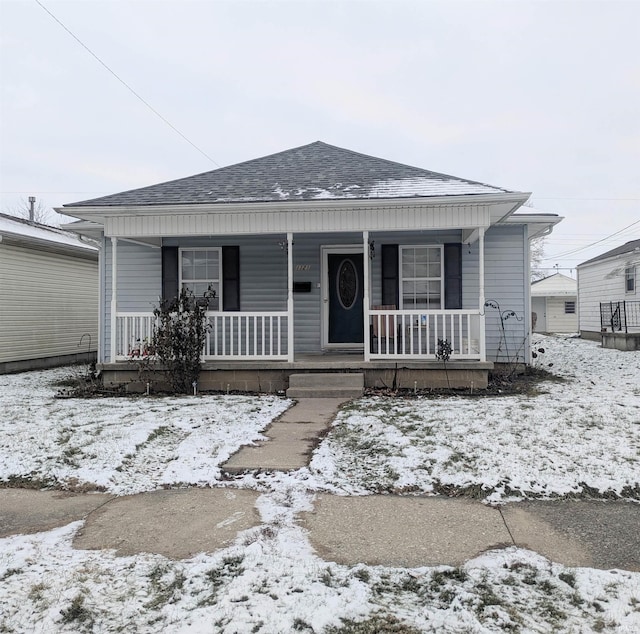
414 334
620 316
241 335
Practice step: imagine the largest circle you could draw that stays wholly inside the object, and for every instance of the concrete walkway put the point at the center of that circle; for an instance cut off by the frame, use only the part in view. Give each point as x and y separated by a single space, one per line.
407 531
376 530
292 438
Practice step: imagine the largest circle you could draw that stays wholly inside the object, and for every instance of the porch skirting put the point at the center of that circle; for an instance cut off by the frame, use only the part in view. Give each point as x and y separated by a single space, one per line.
255 376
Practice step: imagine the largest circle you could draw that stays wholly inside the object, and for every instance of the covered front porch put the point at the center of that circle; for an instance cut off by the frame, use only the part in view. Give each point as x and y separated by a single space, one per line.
328 295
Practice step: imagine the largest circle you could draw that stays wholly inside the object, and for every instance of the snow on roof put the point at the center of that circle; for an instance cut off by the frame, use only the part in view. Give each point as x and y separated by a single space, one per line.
554 285
312 172
38 232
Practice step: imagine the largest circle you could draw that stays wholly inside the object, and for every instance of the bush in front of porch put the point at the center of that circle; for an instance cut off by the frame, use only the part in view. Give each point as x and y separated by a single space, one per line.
178 340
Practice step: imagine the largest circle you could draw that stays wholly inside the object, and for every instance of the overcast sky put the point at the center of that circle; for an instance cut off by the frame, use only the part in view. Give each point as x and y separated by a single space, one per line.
542 97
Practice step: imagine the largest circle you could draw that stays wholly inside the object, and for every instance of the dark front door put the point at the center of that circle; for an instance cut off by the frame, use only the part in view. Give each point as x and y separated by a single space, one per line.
346 290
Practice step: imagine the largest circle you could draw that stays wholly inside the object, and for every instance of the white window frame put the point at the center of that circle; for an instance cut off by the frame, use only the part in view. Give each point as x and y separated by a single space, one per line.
566 305
181 281
630 274
402 279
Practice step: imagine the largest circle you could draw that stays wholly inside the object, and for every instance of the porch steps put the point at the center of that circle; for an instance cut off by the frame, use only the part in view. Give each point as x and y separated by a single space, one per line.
326 385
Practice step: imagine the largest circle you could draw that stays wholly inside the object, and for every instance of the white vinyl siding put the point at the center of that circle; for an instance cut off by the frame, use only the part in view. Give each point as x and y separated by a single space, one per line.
603 281
558 319
48 301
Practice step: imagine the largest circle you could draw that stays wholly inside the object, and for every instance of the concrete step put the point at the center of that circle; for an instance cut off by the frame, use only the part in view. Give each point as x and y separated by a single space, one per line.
326 385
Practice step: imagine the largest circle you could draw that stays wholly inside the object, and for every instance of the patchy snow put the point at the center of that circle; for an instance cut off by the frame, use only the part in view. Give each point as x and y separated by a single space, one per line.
122 445
574 436
428 186
270 580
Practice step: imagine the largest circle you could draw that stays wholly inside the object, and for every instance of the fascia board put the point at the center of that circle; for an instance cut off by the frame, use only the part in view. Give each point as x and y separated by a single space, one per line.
545 222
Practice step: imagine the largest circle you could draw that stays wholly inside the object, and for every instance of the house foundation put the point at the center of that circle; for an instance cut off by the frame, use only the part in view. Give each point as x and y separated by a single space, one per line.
625 341
255 377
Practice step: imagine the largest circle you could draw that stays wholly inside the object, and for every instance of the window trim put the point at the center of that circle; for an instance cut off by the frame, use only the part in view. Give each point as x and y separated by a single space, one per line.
401 278
220 272
630 275
573 304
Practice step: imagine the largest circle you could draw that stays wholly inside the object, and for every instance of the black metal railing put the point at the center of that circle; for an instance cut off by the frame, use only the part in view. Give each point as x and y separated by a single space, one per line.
619 316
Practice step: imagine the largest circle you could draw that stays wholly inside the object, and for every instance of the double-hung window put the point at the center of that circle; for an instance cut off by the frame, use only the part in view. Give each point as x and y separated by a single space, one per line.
421 277
630 279
200 273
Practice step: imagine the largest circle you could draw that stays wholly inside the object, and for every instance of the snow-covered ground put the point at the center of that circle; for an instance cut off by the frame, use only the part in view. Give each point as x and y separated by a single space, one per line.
270 580
580 436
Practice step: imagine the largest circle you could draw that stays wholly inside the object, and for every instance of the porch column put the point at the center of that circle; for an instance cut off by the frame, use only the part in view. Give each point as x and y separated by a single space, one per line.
366 303
114 295
481 299
290 329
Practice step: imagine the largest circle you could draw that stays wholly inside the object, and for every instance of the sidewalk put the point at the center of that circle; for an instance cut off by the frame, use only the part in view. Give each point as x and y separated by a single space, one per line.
406 531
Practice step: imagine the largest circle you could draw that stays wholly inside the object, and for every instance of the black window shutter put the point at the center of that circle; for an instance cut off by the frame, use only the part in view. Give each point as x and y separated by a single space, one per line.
169 273
230 278
390 295
453 276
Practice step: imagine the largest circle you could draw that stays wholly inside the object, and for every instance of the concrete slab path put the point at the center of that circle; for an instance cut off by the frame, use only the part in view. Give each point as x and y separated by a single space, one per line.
28 511
388 530
419 531
176 523
291 438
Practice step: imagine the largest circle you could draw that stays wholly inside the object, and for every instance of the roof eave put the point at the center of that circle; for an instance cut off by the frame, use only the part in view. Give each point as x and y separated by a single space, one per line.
97 213
539 225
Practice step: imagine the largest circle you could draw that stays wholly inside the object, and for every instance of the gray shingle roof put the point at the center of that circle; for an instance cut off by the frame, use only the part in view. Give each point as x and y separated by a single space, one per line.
310 172
630 246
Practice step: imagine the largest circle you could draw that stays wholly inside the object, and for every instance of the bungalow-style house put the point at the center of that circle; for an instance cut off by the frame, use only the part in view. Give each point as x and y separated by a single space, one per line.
48 296
609 298
553 304
320 259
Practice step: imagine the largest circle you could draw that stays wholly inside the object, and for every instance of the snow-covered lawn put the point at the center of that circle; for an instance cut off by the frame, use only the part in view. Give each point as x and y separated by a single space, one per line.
123 444
585 430
580 436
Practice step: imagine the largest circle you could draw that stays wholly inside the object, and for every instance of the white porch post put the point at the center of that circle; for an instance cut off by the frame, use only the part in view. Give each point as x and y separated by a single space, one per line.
290 329
114 295
481 298
366 303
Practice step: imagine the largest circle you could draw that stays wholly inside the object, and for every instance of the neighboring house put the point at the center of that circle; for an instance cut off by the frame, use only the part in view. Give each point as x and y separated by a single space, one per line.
320 258
48 296
554 304
609 299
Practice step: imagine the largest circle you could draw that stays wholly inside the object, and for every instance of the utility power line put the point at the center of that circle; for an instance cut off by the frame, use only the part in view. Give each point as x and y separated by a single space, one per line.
126 85
559 255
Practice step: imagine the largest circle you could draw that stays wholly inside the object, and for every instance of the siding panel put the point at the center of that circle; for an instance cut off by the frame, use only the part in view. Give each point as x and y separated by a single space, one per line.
47 302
